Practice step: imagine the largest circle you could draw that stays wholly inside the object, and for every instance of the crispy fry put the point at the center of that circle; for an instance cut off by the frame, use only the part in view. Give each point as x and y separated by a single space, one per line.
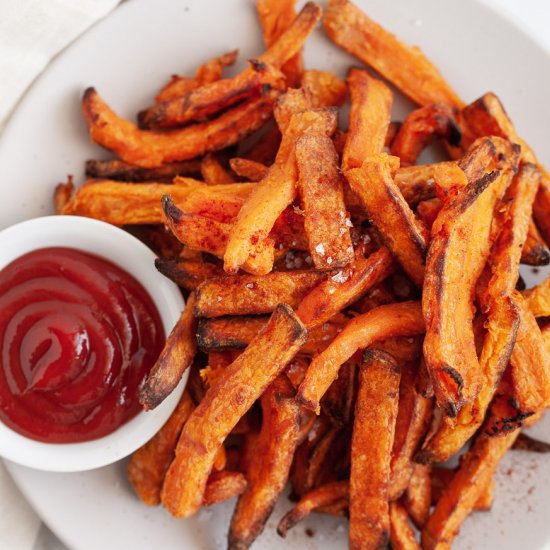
211 236
372 441
224 404
458 500
418 497
538 299
403 234
321 190
151 149
535 252
369 118
343 288
402 536
413 419
251 295
322 496
188 274
530 363
267 473
213 172
502 318
452 269
223 485
209 72
276 191
275 17
236 333
404 66
62 195
428 210
402 319
177 355
210 99
121 171
149 463
421 128
249 169
325 88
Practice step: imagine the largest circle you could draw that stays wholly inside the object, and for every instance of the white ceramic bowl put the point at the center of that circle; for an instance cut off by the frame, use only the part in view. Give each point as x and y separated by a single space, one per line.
134 257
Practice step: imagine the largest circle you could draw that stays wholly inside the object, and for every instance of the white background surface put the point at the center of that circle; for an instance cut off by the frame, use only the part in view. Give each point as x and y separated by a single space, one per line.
31 33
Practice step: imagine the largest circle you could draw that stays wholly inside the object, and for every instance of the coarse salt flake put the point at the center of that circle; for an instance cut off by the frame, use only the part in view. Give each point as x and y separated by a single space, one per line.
320 249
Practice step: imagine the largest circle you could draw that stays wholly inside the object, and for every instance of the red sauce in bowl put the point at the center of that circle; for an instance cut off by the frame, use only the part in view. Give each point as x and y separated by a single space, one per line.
78 336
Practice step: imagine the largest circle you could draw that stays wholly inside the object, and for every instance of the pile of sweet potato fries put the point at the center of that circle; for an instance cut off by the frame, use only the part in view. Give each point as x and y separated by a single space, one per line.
353 318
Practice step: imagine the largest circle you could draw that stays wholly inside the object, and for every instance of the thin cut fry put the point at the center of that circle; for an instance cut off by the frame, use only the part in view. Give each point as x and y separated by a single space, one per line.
222 407
62 195
372 441
121 171
321 190
213 172
452 270
418 497
151 149
402 535
223 485
188 274
177 355
250 295
405 67
542 207
249 169
322 496
149 463
268 470
535 251
402 319
369 118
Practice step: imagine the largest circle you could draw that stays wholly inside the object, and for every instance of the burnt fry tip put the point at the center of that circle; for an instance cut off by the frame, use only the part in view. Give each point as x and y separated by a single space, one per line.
172 212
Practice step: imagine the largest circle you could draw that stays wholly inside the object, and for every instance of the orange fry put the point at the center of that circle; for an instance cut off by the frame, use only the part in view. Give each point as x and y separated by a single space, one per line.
402 535
401 319
325 89
538 299
249 169
213 172
223 485
405 67
372 441
224 404
188 274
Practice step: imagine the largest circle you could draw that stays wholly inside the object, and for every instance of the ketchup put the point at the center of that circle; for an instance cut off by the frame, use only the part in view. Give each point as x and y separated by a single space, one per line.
78 336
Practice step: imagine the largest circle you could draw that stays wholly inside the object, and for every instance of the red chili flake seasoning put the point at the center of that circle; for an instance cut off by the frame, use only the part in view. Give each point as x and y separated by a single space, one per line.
78 337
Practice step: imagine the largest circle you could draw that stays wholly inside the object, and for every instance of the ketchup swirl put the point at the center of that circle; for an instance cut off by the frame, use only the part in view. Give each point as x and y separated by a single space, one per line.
79 336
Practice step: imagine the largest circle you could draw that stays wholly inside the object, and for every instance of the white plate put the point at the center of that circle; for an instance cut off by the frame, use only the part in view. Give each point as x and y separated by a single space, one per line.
127 57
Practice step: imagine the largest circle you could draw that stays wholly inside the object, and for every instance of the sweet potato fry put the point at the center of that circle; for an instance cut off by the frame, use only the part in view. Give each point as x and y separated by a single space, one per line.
213 172
207 73
372 441
502 318
188 274
224 404
401 319
149 463
251 295
405 67
402 535
322 496
538 299
177 355
276 191
62 195
369 118
223 485
428 210
321 190
275 17
236 333
151 149
121 171
338 403
441 477
211 236
267 472
209 100
413 419
418 498
535 252
542 207
324 88
249 169
421 128
458 500
403 234
529 363
452 270
337 292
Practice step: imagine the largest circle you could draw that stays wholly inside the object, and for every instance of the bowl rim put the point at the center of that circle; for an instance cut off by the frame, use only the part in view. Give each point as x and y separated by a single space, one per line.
130 254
